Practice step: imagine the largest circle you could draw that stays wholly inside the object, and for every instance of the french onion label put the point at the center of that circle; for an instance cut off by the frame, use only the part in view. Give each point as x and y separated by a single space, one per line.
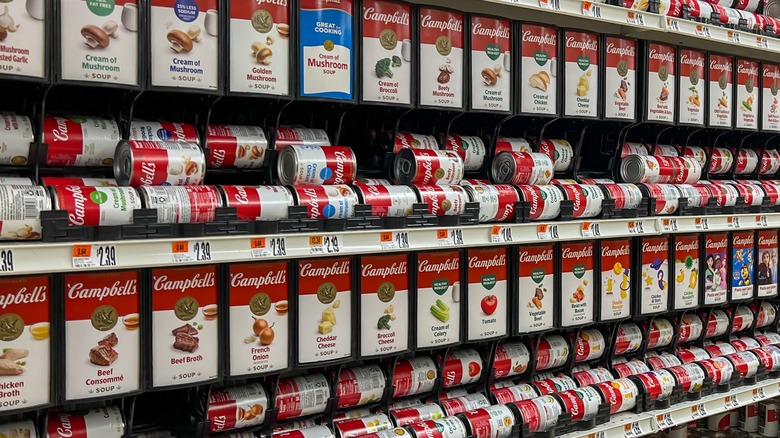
747 94
487 293
742 265
770 116
766 275
581 74
577 283
692 80
686 272
24 48
715 268
259 321
384 303
620 83
325 291
326 49
438 298
615 279
721 92
539 67
536 302
184 316
441 58
661 82
654 285
491 64
387 52
102 335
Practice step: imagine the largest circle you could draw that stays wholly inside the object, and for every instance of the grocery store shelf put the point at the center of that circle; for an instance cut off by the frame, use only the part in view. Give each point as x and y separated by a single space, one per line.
38 257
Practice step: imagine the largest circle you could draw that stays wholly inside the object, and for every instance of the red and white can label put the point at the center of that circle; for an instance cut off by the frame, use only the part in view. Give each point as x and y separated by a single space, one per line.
512 144
666 150
355 427
468 402
621 394
300 136
237 407
514 393
719 369
487 293
577 283
721 81
438 298
398 432
414 376
747 161
387 200
629 148
242 147
17 134
655 275
184 314
629 338
615 279
582 403
770 80
560 151
692 85
720 422
156 163
629 368
554 385
747 99
302 396
471 150
539 69
658 384
744 343
690 377
661 82
522 168
104 422
540 414
489 422
95 206
771 191
545 201
715 268
414 414
581 71
442 42
590 345
552 352
746 363
721 160
81 142
696 195
620 78
719 349
327 202
766 276
461 367
585 375
182 205
717 324
626 196
443 200
689 354
491 64
407 140
387 33
770 160
661 333
752 193
742 319
658 361
536 293
769 356
384 285
686 272
102 315
311 431
511 359
163 131
587 199
768 338
766 314
697 153
748 418
767 418
316 165
742 258
325 291
496 202
258 203
55 181
450 427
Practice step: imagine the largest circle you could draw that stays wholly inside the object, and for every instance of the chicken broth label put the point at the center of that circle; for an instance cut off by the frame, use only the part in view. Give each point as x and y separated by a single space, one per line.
260 46
654 286
576 283
102 334
742 265
491 64
438 298
686 272
387 52
487 293
184 316
661 82
766 274
620 82
259 322
536 293
720 97
327 49
539 67
325 326
691 95
25 354
441 58
615 279
22 51
770 103
747 94
384 304
184 46
581 74
715 268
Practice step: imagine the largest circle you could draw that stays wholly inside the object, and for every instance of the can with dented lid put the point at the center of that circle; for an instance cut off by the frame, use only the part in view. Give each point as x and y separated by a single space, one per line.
449 427
626 196
461 367
155 163
327 202
300 136
237 407
427 167
522 168
182 204
552 352
545 201
414 376
355 427
586 199
302 396
719 369
667 197
464 403
559 151
629 338
512 144
658 361
690 328
746 363
316 165
621 394
690 353
511 359
415 414
514 393
582 403
258 203
586 375
360 385
658 384
233 146
555 384
443 200
629 367
540 413
590 345
489 422
661 333
96 206
770 162
690 377
746 162
163 131
496 202
471 149
387 200
16 134
105 422
408 140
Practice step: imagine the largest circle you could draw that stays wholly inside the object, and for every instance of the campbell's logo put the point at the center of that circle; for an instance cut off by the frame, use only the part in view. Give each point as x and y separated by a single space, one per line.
395 269
534 198
495 262
687 247
544 256
720 244
79 202
648 247
501 32
272 2
337 268
576 196
241 197
24 296
660 56
178 131
693 62
341 158
616 252
452 264
773 72
219 157
746 241
567 253
428 169
147 173
239 279
65 428
546 39
162 283
219 422
452 24
118 289
723 66
61 131
586 45
397 17
627 51
767 241
574 403
509 208
314 201
403 140
747 69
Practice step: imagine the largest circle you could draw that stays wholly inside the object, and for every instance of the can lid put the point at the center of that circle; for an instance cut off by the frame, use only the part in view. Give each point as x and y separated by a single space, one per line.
632 169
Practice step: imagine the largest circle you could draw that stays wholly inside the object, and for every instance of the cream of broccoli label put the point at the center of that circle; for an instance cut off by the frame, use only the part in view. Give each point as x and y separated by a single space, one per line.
387 52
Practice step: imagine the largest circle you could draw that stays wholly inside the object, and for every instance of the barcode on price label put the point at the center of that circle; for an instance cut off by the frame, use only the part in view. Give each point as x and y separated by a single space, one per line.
326 244
762 42
701 224
733 37
702 31
555 5
268 247
590 229
669 225
591 10
698 411
635 18
761 221
186 252
633 430
636 227
500 234
673 25
547 232
758 394
94 256
732 222
451 237
665 421
397 240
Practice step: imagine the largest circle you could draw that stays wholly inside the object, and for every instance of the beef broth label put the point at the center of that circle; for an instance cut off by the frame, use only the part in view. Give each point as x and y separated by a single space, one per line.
441 58
615 279
742 265
325 322
692 82
581 74
102 334
654 287
686 272
387 52
620 82
384 304
536 293
661 82
539 67
747 94
576 284
491 64
25 354
770 103
487 297
259 322
438 298
766 274
185 341
715 268
721 92
326 49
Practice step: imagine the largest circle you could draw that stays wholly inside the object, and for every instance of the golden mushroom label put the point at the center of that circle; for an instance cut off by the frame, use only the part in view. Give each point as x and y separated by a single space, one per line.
441 58
766 272
24 41
692 85
661 82
491 64
615 279
770 113
326 49
747 94
384 304
577 303
620 78
654 282
687 274
387 52
721 96
581 53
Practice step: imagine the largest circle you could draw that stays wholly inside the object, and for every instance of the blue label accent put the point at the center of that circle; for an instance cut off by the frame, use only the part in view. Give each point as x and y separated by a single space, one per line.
317 27
186 10
326 173
164 134
329 210
165 183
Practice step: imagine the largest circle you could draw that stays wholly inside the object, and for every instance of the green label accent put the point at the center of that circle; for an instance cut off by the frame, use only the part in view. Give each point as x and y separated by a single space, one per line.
537 275
583 62
493 51
98 197
101 8
578 270
440 286
540 56
489 281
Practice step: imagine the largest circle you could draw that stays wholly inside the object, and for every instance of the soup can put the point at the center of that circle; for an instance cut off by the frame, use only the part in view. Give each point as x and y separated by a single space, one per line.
237 407
586 375
461 367
667 197
590 345
560 151
747 159
512 144
744 343
233 146
163 131
496 202
719 349
154 163
489 422
769 356
16 134
20 217
408 140
586 199
79 141
629 338
465 403
719 369
766 314
300 136
721 160
717 324
696 195
746 363
626 196
428 167
540 414
302 396
59 181
511 359
768 338
658 384
258 203
414 376
105 422
182 204
313 431
327 202
633 149
552 352
360 385
690 328
621 394
514 393
356 427
690 377
449 427
545 201
522 168
662 360
316 165
96 206
471 149
582 403
387 200
661 333
770 162
690 354
666 150
629 367
553 385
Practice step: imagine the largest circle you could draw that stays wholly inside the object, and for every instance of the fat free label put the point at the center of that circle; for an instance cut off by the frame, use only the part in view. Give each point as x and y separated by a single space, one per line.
487 293
326 49
259 321
491 64
661 84
441 58
387 52
615 279
325 327
692 80
620 83
581 74
687 272
260 46
742 265
536 293
747 94
102 321
715 268
721 94
766 272
22 52
185 335
539 67
770 82
654 284
577 283
438 298
25 355
384 303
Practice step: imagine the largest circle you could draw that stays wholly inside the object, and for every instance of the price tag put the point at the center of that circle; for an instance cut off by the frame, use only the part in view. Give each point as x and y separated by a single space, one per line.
665 421
326 244
701 223
635 18
636 227
758 394
500 234
672 25
669 225
733 37
397 240
554 5
702 31
633 430
698 411
590 229
762 43
761 221
731 402
453 237
94 256
599 434
591 10
7 260
185 251
268 247
547 232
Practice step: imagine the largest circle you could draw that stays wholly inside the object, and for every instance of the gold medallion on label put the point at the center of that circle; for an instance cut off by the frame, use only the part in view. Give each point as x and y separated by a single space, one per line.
388 39
326 293
443 45
104 318
386 292
11 327
262 21
186 308
260 304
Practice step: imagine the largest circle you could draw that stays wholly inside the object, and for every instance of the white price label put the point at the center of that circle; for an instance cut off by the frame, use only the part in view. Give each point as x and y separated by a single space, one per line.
633 430
761 221
7 260
500 234
185 251
758 394
451 237
590 229
268 247
547 232
397 240
326 244
672 25
636 227
731 402
698 411
732 222
669 225
591 10
93 256
762 43
635 18
732 37
702 31
665 421
554 5
701 223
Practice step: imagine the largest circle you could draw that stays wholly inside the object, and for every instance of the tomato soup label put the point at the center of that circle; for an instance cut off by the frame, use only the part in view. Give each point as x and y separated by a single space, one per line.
487 293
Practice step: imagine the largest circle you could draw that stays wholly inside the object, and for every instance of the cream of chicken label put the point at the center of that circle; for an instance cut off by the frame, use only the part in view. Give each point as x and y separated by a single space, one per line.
387 52
721 96
686 272
661 82
766 273
654 286
615 279
577 304
487 293
747 94
491 64
384 303
536 294
539 67
581 74
742 265
692 87
441 73
715 267
770 105
620 81
438 298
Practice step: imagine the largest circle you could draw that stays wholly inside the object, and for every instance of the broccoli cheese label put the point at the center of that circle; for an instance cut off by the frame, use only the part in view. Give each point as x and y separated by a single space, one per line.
387 52
615 279
438 298
384 304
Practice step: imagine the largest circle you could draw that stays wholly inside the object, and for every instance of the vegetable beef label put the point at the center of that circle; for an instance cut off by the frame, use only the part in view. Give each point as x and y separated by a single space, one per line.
661 84
384 296
438 298
536 301
620 83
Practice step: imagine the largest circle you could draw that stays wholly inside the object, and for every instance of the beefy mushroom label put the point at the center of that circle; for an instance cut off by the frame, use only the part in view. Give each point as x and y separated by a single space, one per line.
742 265
536 302
326 49
185 341
661 82
721 95
715 268
654 283
491 64
691 94
260 47
620 81
102 321
99 41
387 52
438 298
384 304
185 43
441 58
576 284
325 326
686 272
25 354
539 67
259 327
582 74
23 38
615 279
770 103
487 293
766 273
747 94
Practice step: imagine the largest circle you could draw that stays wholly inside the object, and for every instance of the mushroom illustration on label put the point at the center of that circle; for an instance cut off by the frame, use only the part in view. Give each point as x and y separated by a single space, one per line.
182 41
98 37
445 72
261 52
490 75
7 24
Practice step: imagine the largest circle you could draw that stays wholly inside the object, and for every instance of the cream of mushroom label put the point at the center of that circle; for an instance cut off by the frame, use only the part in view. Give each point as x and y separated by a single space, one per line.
620 78
577 283
692 82
766 272
721 96
439 297
326 52
442 40
539 67
387 52
23 50
661 84
747 94
536 294
384 304
487 293
654 281
615 279
686 273
770 103
491 64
